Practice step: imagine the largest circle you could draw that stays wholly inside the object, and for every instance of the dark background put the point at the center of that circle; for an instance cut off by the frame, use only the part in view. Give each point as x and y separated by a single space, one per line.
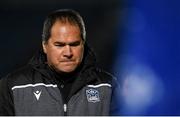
21 25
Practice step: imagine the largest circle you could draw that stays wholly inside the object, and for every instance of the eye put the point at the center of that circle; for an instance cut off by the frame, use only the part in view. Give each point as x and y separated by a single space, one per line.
75 44
59 44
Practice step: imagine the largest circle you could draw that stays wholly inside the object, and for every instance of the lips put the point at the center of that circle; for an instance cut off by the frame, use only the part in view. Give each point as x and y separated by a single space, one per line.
67 61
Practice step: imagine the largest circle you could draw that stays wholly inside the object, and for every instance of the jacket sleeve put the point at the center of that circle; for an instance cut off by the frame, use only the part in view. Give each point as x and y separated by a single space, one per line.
6 101
116 99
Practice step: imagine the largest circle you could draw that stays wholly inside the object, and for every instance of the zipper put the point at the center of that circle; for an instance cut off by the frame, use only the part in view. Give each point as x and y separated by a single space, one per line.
63 99
65 109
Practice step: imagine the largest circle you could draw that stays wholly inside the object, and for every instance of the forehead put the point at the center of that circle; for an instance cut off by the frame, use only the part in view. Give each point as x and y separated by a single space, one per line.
65 31
65 23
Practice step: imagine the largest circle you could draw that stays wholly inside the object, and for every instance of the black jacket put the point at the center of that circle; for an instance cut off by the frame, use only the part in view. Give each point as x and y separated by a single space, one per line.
33 90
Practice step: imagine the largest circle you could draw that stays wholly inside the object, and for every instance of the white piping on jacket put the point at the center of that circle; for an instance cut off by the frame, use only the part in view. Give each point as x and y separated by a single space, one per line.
99 85
33 85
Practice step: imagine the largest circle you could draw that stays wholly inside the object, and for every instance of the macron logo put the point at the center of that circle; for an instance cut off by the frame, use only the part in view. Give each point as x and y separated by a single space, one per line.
37 94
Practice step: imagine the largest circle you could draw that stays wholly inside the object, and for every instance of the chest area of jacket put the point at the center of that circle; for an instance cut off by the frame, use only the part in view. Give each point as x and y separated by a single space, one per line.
46 99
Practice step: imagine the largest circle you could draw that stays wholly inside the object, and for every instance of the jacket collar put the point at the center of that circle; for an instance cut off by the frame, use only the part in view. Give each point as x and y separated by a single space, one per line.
85 76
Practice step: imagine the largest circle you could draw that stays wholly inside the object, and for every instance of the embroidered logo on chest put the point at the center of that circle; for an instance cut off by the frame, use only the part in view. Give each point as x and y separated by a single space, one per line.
92 95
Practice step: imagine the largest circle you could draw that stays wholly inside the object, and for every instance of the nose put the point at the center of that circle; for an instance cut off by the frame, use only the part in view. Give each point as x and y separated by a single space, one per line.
67 51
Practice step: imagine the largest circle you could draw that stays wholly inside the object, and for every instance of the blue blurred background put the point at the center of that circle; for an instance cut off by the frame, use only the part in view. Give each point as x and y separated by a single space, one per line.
148 63
136 40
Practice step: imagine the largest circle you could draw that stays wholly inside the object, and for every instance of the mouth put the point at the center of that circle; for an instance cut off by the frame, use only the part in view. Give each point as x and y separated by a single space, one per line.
68 62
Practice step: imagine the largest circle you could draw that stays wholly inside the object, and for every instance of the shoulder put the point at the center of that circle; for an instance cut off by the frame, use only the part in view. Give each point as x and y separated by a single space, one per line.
23 71
105 76
103 73
18 76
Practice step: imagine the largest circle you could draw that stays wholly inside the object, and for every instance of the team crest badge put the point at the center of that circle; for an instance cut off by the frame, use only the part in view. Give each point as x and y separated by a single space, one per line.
92 95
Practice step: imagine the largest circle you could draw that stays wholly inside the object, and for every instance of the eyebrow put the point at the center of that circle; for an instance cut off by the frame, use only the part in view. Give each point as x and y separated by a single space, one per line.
70 43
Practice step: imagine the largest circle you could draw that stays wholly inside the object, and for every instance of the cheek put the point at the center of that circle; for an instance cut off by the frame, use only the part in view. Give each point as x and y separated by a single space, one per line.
79 53
53 55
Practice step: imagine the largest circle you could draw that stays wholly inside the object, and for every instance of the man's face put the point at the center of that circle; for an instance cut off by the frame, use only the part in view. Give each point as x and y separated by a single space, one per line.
64 48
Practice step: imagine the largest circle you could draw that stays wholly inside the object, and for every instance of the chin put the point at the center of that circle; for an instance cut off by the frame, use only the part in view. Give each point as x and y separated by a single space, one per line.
68 70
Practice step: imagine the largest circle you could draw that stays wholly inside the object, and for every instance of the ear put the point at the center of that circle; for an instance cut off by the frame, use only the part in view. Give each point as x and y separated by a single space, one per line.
44 47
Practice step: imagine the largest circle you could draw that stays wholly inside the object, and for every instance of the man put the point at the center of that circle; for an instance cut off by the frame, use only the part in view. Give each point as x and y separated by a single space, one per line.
62 78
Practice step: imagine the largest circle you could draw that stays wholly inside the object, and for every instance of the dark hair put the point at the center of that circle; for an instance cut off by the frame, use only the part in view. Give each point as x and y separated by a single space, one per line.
63 15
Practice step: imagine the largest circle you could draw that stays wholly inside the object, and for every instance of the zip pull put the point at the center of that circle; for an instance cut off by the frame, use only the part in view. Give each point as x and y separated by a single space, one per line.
65 107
